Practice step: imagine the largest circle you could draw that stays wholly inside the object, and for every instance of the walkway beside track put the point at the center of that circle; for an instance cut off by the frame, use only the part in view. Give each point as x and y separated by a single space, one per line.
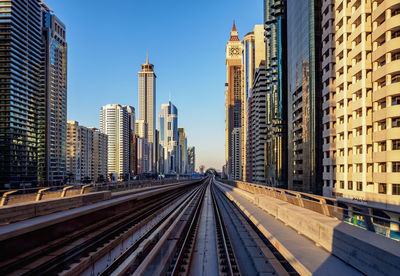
303 254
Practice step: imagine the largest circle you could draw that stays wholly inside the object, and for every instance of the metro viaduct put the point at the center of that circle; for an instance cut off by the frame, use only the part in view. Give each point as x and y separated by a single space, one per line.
191 227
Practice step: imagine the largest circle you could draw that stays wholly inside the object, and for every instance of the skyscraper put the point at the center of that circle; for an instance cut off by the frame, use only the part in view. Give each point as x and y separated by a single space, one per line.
304 96
233 105
169 137
257 105
182 150
131 129
365 135
86 154
32 128
147 98
253 54
100 152
114 121
191 160
328 96
144 147
56 95
276 79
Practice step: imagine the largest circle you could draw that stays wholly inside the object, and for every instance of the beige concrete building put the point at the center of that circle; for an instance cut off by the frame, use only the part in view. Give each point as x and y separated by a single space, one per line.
367 130
141 128
100 146
253 53
86 156
328 95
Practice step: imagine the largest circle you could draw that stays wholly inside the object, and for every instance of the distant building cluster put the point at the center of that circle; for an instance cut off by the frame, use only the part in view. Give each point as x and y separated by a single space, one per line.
39 147
134 147
312 99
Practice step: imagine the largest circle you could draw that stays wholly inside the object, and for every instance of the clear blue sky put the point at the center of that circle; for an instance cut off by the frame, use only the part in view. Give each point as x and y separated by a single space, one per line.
185 39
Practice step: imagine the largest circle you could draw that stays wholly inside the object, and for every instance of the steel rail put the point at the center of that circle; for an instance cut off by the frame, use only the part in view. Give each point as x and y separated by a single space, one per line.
221 229
144 252
189 233
97 237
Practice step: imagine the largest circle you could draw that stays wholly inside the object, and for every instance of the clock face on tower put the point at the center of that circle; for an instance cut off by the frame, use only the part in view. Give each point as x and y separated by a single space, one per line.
234 51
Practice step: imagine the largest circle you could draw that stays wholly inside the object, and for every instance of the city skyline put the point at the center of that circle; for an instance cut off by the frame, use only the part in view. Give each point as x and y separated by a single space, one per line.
120 70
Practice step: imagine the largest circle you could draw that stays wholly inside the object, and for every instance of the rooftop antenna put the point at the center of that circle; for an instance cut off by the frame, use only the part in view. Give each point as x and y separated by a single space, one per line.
147 58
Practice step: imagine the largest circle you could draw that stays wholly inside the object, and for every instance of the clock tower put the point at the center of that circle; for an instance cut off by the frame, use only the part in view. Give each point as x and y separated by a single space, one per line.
233 106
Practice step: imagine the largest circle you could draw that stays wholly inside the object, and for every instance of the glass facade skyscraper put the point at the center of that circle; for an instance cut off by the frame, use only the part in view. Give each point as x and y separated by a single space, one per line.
55 68
169 137
304 96
276 82
33 94
22 97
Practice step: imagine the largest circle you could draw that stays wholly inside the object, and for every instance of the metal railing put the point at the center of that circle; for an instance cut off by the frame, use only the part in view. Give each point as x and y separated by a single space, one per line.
17 196
356 214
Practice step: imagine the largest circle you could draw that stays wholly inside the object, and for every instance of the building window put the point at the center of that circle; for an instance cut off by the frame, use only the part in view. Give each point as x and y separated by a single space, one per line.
396 100
396 78
395 144
341 184
395 34
396 122
395 12
395 56
382 146
350 185
395 189
382 188
382 167
382 125
359 186
395 166
381 104
169 125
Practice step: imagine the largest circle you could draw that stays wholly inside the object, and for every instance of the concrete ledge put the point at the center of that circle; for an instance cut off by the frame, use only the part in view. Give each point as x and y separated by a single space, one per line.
368 252
23 211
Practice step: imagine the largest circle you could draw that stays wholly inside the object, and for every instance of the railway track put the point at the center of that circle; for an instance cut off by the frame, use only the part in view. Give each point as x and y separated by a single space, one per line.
189 231
61 254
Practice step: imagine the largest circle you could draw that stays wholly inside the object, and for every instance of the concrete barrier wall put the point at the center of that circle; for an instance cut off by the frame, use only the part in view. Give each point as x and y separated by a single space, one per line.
370 253
76 190
18 212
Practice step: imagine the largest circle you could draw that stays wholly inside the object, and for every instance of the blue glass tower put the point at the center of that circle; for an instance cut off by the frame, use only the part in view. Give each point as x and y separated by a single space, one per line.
275 63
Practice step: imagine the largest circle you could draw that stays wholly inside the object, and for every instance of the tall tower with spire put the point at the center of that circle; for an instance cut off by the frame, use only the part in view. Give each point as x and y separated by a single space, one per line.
233 105
147 98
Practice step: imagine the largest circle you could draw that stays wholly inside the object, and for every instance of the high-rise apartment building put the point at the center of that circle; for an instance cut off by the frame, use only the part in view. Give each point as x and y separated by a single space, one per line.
33 117
114 122
141 128
132 148
144 147
257 109
182 137
100 146
276 79
253 54
304 96
366 127
55 70
328 94
168 121
233 105
86 154
147 99
191 160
